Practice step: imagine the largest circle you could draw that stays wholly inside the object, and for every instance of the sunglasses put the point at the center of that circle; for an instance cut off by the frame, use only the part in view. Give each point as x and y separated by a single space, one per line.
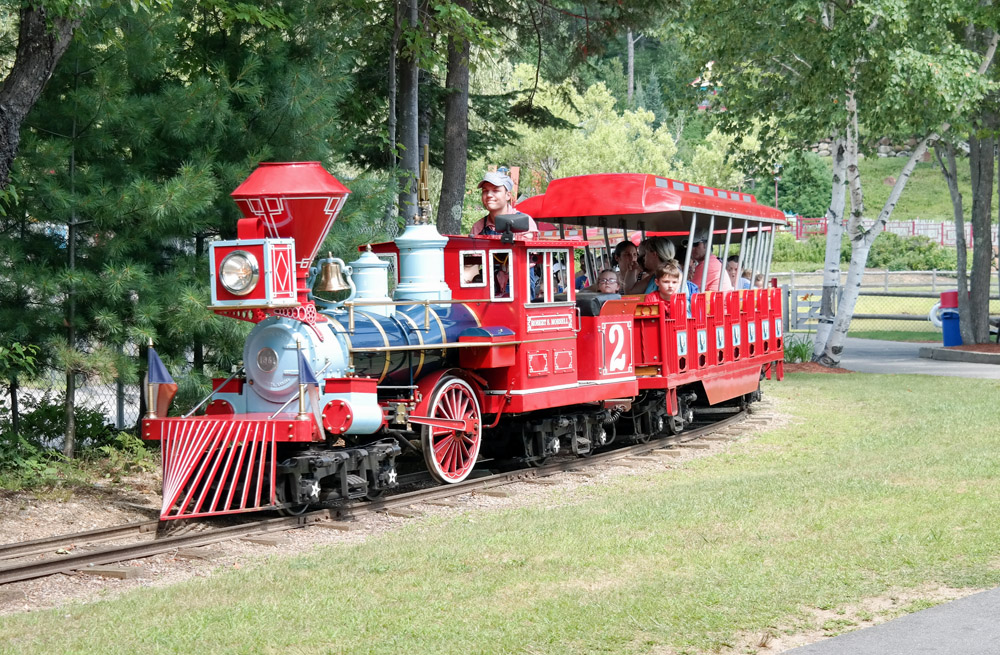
607 281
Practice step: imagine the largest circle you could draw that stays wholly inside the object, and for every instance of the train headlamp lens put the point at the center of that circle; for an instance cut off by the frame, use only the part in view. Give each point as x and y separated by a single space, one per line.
239 272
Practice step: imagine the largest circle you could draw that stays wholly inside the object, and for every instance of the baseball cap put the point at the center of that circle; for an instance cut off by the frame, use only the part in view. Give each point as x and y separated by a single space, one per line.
700 236
497 179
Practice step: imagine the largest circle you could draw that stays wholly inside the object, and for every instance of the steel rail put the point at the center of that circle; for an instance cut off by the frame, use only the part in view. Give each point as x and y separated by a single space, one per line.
97 535
347 512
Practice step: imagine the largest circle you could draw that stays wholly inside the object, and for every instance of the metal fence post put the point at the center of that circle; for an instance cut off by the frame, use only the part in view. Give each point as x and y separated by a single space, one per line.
885 285
120 397
786 316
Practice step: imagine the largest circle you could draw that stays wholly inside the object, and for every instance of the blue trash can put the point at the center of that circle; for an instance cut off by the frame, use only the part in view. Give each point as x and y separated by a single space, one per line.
950 328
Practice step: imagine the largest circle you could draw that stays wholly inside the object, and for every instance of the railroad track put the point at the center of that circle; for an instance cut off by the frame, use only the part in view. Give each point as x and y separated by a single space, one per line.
148 543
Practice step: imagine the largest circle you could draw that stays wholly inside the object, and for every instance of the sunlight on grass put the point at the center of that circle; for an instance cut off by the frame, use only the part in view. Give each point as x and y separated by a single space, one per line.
878 482
919 336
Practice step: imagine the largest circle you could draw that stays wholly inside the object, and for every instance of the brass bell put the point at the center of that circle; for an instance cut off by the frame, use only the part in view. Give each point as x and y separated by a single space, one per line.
331 278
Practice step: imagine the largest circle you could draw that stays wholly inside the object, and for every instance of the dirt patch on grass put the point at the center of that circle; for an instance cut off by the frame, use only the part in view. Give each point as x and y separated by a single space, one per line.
819 624
813 367
992 348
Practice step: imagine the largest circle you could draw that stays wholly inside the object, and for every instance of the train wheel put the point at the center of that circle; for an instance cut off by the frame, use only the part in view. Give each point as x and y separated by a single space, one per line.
451 453
532 457
284 508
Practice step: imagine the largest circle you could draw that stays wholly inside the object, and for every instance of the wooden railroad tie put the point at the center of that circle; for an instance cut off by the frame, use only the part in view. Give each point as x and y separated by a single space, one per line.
199 553
645 457
496 493
267 541
12 596
404 513
696 446
442 503
117 572
340 526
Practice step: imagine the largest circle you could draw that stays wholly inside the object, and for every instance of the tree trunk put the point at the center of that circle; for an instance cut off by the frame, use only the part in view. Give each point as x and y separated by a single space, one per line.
41 42
834 234
392 154
142 374
408 125
946 157
631 67
456 137
198 346
15 414
981 168
423 114
860 236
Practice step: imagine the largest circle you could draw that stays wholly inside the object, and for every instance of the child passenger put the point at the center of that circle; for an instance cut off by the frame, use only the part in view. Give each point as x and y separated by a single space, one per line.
668 282
608 281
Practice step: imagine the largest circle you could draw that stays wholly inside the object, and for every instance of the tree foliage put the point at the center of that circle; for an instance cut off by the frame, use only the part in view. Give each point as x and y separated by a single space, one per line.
855 71
601 139
142 133
804 187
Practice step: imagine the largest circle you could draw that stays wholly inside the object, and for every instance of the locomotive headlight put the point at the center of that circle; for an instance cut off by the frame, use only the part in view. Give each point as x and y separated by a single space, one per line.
239 272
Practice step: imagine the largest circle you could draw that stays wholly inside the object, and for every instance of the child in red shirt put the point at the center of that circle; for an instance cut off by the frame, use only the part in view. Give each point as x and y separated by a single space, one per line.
668 282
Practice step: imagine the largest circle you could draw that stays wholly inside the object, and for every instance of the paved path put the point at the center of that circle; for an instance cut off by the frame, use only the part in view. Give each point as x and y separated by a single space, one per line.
968 626
870 356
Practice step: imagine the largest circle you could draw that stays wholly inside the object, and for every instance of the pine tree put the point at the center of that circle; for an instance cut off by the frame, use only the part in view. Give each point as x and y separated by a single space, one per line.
148 124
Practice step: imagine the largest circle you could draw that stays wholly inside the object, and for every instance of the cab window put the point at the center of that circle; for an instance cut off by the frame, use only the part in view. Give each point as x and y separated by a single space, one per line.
473 268
549 276
500 271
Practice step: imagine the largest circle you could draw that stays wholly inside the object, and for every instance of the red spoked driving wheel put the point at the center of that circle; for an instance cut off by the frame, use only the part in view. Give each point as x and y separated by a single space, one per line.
451 452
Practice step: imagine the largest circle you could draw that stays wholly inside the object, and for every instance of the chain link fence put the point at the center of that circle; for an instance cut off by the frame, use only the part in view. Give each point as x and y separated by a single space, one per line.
117 401
889 301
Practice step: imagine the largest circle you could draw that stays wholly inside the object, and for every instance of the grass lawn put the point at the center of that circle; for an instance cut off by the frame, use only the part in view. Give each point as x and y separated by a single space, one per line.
896 492
926 196
920 336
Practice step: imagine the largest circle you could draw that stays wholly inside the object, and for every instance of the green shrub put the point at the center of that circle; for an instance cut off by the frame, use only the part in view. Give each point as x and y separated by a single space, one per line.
798 348
126 453
914 253
889 250
787 249
43 423
18 455
32 459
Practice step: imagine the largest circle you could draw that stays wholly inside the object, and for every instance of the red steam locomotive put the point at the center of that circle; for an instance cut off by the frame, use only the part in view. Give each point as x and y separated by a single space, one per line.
470 357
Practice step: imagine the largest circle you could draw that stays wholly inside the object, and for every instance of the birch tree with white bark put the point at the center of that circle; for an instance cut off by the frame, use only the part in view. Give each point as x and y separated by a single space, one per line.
855 70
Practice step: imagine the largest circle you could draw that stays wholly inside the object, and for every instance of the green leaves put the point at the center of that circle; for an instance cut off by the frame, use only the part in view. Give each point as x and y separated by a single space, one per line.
907 65
18 359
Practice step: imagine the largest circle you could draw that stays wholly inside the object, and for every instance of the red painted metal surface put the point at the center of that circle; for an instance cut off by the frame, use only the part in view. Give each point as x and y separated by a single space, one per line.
297 200
217 466
639 201
338 416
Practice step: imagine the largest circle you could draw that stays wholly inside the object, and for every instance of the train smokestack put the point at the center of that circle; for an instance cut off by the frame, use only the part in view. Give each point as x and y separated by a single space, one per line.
297 200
